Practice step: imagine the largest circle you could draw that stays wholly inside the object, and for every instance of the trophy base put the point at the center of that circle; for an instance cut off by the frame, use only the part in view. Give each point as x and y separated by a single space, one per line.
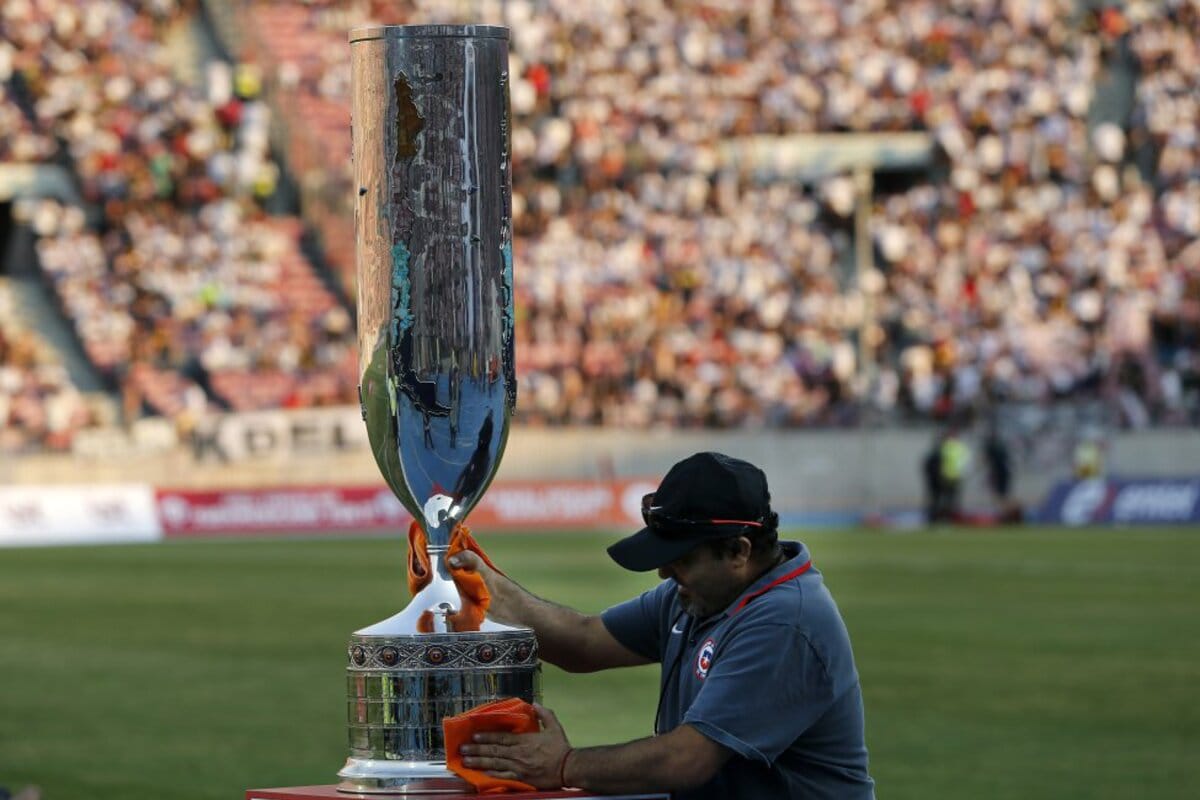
379 776
330 792
400 688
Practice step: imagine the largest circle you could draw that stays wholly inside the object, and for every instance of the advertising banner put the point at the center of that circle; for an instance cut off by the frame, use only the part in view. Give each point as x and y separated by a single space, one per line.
45 515
510 506
1124 501
286 510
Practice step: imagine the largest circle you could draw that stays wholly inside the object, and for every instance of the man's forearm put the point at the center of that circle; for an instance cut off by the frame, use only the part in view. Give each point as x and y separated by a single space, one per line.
656 763
571 640
562 632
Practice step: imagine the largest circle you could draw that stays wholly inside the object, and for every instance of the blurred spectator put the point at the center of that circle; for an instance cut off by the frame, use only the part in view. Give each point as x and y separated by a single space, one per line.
1088 457
954 459
40 409
26 793
931 475
997 456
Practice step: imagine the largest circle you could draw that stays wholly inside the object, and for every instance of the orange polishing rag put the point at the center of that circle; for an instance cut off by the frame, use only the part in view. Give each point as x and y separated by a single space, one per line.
470 585
505 716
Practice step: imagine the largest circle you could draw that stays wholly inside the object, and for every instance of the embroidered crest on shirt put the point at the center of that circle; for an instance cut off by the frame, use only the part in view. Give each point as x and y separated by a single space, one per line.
704 658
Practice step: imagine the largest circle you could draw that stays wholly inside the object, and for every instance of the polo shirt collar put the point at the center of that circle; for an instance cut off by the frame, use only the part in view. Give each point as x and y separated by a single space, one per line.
798 557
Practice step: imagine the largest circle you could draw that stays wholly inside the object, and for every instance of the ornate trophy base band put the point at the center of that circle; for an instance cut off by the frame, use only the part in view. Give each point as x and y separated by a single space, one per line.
373 776
399 688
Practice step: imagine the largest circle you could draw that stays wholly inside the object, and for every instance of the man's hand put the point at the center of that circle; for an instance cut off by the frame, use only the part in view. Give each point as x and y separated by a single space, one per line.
500 608
535 758
473 563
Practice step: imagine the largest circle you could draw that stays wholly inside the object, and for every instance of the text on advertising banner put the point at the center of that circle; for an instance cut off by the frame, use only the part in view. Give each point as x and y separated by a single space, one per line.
1124 501
513 506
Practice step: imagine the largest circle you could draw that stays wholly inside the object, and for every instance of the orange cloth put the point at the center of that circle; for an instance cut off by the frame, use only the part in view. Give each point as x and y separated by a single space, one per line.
471 587
506 716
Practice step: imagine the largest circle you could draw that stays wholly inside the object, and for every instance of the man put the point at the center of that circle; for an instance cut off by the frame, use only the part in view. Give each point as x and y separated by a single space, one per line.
759 695
955 461
931 469
998 457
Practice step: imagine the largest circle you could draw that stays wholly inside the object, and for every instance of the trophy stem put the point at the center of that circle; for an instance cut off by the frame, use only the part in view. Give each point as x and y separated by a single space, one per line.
439 598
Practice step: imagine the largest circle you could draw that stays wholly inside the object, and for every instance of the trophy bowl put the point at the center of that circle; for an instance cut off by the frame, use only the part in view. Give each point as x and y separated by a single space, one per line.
433 249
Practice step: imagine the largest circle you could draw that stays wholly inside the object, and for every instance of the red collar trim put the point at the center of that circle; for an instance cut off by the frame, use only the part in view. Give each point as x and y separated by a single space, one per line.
797 572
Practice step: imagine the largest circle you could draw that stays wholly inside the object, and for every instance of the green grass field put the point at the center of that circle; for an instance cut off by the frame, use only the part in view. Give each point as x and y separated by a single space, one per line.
995 664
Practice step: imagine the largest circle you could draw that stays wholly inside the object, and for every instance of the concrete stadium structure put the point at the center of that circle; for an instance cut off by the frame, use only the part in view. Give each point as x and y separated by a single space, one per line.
810 471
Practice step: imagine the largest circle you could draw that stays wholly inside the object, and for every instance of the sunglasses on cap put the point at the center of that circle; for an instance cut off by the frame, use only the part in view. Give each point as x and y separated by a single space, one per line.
661 522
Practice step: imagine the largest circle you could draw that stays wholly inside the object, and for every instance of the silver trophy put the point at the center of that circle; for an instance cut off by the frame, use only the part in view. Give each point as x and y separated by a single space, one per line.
430 119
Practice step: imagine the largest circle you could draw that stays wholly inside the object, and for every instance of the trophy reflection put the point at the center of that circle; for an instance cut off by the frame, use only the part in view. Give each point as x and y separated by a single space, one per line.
430 120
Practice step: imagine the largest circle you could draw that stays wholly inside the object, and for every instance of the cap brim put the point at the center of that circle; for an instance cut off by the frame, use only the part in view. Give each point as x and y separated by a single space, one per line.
646 550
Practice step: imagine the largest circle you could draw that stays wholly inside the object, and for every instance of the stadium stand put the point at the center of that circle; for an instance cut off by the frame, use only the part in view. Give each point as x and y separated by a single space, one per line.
660 287
40 409
1050 256
185 284
20 143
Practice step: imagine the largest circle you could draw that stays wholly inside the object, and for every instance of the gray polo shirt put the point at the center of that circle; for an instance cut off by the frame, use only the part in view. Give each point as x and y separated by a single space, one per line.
772 678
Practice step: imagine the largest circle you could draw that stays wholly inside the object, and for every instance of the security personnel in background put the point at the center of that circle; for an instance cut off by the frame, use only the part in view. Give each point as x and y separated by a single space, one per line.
1089 456
955 460
759 693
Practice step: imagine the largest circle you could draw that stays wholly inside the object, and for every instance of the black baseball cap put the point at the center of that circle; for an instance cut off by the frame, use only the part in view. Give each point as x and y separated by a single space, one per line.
705 496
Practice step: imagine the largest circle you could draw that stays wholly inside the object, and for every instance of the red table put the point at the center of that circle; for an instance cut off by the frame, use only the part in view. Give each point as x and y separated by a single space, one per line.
315 792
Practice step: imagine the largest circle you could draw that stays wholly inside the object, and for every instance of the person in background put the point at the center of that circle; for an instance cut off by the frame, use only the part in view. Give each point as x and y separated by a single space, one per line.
1088 458
931 473
998 459
955 461
27 793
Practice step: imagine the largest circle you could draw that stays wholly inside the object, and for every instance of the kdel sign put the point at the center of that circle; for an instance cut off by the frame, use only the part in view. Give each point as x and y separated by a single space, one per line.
274 434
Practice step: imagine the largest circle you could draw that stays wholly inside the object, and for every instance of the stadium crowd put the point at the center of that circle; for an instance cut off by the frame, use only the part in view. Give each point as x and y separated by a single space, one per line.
40 409
660 285
20 142
185 286
1053 255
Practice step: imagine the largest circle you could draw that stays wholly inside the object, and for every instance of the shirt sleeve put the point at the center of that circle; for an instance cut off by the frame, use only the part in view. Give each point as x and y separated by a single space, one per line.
637 623
764 688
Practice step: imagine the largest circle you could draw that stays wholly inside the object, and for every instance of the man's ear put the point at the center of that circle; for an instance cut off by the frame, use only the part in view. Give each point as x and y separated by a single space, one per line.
740 556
